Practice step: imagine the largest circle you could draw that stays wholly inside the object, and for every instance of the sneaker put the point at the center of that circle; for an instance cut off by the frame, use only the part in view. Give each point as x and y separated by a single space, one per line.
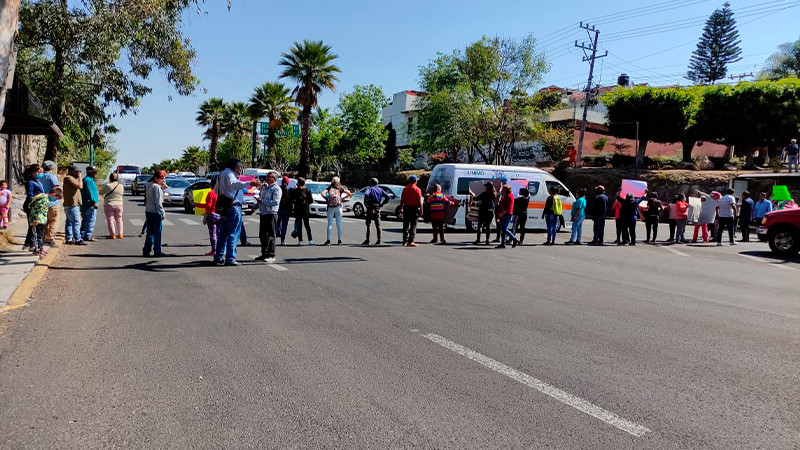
211 253
25 248
233 263
261 258
311 243
719 244
327 243
433 241
412 244
339 243
270 260
81 242
219 263
378 242
69 242
366 242
299 243
514 243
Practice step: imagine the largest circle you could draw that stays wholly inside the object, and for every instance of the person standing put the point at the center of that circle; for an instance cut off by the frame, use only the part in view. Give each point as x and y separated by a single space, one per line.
268 205
49 180
791 152
761 208
5 204
577 217
599 211
505 207
437 201
485 202
154 214
411 204
552 210
301 201
30 177
681 216
629 211
521 203
708 211
746 216
210 217
89 204
229 208
726 212
618 222
374 199
651 217
334 196
112 193
37 218
284 210
72 206
673 217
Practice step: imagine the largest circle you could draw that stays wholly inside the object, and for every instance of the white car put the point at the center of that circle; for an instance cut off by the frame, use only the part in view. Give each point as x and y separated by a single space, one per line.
319 205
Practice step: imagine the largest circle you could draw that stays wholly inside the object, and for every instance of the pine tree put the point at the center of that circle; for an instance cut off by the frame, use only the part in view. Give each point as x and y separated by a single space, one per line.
718 47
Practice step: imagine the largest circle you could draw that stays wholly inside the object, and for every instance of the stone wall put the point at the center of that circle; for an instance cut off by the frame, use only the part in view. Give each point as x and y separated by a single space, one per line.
25 150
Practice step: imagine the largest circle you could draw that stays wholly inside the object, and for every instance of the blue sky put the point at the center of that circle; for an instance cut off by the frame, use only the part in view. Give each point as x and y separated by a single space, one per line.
384 42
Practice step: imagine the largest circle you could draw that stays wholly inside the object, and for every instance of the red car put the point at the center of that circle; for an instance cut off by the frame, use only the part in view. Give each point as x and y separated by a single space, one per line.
781 229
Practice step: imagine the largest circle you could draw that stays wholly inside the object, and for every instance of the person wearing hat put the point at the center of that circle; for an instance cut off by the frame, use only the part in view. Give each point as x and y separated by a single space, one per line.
599 212
49 180
411 204
89 204
485 201
374 199
72 206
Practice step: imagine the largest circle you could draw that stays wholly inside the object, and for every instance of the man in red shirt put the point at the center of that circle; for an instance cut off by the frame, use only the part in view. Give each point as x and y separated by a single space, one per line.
411 204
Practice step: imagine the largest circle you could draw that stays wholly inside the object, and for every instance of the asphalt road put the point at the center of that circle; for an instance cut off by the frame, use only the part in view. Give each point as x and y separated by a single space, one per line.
455 346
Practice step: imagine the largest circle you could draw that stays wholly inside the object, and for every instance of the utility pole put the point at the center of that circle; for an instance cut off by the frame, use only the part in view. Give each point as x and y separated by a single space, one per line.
594 56
740 76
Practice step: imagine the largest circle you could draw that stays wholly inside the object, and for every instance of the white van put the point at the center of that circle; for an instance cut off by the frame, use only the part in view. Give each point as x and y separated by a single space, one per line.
455 180
258 173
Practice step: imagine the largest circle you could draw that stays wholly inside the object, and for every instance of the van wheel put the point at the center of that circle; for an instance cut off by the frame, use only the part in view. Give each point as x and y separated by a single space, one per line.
784 240
358 210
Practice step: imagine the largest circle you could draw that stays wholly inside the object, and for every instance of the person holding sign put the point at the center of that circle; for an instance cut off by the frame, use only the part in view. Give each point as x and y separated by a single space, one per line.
210 216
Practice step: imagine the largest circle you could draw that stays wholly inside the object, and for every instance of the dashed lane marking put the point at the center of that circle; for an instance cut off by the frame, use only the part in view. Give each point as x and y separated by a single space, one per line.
279 268
677 252
137 222
562 396
189 221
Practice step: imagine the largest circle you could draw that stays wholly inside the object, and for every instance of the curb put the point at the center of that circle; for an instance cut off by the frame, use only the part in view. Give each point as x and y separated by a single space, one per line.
19 298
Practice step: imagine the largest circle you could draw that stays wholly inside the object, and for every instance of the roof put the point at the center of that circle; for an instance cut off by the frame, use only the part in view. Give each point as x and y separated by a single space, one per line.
24 113
492 167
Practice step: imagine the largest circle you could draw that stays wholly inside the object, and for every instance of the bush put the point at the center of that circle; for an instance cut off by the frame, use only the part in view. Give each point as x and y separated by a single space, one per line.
598 160
737 162
660 162
600 144
620 160
672 177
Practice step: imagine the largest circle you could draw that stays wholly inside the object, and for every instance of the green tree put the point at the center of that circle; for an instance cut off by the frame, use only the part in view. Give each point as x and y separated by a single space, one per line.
287 153
718 47
557 140
85 59
210 116
784 63
326 134
236 121
310 64
193 158
364 138
662 115
272 101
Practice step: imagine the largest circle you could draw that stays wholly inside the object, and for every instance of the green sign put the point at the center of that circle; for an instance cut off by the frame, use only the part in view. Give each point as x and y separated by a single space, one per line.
291 129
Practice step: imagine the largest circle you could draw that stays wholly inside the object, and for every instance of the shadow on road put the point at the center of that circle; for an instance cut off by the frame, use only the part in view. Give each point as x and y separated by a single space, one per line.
322 260
769 255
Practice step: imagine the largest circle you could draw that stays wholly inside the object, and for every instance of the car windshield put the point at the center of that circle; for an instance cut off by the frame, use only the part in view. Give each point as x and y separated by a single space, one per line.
316 188
173 183
143 177
396 190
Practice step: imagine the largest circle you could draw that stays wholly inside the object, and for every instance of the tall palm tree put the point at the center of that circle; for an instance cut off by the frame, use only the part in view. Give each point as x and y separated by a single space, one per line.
309 64
210 116
192 158
236 121
272 101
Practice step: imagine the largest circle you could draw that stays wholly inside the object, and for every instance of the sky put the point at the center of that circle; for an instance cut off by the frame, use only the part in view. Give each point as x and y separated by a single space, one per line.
384 42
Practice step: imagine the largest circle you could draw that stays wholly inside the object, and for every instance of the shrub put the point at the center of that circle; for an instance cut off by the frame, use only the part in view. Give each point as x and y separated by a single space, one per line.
600 144
737 162
598 160
672 177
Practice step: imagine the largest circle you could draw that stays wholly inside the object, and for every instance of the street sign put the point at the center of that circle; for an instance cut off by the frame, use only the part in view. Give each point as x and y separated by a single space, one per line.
291 129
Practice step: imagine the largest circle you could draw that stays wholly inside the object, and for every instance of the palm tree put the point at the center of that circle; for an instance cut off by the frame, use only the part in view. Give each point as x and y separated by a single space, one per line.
272 101
236 121
210 116
309 64
193 157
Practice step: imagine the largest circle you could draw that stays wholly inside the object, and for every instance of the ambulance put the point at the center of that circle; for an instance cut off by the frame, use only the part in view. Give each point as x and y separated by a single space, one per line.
464 181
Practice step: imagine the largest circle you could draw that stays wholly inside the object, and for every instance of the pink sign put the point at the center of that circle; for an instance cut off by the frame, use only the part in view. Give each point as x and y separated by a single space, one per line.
635 187
247 178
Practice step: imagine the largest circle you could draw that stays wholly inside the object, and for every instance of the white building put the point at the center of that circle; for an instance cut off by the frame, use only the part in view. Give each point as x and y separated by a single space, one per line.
399 114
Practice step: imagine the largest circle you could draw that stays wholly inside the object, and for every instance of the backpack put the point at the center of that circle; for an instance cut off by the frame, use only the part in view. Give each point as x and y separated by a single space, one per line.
557 208
334 197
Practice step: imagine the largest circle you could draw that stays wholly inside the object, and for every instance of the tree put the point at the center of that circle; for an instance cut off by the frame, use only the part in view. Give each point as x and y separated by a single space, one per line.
364 137
784 63
272 101
310 65
9 13
210 116
479 99
718 47
662 115
326 134
236 121
94 56
557 141
287 153
193 158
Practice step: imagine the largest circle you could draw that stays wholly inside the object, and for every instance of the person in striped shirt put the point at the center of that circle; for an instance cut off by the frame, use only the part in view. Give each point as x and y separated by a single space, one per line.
436 202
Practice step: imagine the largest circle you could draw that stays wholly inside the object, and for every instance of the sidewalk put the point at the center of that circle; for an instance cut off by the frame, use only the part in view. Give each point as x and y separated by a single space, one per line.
20 272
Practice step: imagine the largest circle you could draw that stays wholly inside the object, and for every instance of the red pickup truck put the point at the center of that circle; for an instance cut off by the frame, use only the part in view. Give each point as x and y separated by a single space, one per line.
781 229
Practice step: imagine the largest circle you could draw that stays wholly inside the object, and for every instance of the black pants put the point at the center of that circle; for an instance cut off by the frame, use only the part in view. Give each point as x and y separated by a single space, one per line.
267 231
651 223
744 225
628 230
519 226
374 214
620 225
438 230
485 225
37 236
410 219
725 222
599 229
299 222
672 225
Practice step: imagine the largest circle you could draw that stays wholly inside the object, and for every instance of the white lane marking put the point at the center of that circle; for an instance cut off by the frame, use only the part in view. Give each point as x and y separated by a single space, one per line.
677 252
137 222
167 223
766 261
279 268
251 220
189 221
562 396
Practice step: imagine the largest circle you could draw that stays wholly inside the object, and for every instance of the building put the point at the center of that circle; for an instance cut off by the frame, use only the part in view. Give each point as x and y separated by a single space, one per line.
398 117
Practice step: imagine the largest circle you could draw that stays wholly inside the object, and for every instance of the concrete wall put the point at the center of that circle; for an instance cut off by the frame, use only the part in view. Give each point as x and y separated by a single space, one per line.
25 150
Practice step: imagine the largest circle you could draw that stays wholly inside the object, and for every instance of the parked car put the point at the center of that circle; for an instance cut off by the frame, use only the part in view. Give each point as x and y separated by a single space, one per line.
390 209
319 205
173 195
187 175
139 184
188 194
212 175
781 230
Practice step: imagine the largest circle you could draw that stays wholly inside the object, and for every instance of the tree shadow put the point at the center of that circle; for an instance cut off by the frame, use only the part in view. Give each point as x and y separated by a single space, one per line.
766 254
323 260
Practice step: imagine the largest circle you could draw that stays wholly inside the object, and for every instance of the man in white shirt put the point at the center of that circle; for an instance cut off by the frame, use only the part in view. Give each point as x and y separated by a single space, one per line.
726 212
229 208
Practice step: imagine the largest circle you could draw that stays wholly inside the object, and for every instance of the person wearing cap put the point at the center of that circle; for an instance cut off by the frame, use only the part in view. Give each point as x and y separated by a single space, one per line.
284 210
89 204
411 204
49 180
72 206
485 202
374 199
599 212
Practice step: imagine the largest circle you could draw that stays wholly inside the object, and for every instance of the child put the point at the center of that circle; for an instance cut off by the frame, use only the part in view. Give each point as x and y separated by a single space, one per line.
37 218
521 214
673 218
681 215
211 218
5 204
616 207
437 201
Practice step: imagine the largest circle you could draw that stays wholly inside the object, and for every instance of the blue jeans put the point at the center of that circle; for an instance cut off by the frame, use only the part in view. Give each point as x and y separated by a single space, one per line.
72 230
152 240
577 229
504 222
283 222
552 227
88 217
229 228
599 228
335 212
792 160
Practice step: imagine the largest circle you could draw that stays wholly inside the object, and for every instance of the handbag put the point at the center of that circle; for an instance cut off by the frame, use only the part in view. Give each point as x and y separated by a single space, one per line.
224 205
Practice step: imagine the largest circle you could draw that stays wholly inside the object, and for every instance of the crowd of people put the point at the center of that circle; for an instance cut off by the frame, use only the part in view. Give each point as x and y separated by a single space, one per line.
495 211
